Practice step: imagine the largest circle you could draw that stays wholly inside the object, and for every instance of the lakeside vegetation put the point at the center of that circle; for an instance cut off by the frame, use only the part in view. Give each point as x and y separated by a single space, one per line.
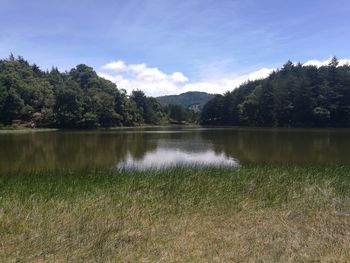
15 130
293 96
266 213
75 99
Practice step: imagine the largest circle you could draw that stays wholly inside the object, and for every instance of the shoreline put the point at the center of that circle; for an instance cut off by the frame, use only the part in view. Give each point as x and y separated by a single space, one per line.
8 130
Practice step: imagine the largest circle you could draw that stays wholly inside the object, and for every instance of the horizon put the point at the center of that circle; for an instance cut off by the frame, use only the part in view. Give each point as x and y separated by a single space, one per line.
168 48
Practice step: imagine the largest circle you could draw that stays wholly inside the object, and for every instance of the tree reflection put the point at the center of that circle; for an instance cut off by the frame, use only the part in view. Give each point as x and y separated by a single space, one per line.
70 150
150 147
282 146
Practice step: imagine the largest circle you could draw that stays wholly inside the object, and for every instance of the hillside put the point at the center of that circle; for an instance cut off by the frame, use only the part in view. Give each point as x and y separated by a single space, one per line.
187 99
294 96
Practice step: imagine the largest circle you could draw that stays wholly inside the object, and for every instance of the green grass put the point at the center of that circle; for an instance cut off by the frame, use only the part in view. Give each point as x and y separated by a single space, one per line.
258 213
9 130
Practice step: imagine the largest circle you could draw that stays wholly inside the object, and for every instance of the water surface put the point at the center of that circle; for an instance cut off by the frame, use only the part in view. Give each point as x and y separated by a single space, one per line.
168 146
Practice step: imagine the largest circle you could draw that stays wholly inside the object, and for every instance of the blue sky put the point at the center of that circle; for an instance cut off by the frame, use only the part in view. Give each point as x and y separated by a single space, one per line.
197 41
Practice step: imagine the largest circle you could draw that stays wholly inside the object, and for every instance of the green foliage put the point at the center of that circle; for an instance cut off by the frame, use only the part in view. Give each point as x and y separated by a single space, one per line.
187 99
212 111
69 105
294 96
129 114
75 99
12 106
179 113
149 108
23 90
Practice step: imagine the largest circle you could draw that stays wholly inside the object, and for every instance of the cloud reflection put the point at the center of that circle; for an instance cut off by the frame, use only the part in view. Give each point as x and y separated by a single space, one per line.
165 158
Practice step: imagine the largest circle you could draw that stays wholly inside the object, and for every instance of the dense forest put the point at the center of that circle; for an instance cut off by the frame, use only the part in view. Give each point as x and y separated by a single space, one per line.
187 99
293 96
75 99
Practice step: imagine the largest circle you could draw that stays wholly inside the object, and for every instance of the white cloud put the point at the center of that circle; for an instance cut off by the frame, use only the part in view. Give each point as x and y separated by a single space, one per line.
319 63
260 74
222 85
115 65
154 82
139 76
178 77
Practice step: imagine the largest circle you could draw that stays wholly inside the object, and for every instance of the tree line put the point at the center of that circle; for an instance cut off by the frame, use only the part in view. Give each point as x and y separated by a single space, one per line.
78 98
293 96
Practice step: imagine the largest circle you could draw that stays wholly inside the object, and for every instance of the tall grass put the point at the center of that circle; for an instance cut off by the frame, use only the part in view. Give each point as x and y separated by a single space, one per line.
255 213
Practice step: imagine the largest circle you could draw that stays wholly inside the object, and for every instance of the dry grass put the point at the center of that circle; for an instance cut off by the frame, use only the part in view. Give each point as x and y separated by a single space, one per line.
253 214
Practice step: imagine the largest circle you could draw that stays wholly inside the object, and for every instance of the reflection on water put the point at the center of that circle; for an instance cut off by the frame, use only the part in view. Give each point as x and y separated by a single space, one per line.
163 147
164 158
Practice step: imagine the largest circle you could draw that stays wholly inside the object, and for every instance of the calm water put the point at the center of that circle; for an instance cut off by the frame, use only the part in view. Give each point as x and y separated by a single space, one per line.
163 147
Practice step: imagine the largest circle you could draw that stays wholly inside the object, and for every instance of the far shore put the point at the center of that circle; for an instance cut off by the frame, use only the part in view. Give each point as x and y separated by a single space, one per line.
11 129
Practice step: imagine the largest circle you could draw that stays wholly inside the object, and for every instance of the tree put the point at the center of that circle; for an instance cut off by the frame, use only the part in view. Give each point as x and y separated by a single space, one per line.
69 106
213 111
11 107
146 106
126 109
294 96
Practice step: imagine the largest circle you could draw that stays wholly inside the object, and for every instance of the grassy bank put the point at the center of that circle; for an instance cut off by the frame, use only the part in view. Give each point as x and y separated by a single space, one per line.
25 130
254 213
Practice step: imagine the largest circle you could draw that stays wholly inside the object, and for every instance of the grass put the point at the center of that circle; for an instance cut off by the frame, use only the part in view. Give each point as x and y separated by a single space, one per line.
257 213
9 130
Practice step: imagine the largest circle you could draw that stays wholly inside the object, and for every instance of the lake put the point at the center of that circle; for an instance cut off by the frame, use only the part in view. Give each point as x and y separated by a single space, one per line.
144 148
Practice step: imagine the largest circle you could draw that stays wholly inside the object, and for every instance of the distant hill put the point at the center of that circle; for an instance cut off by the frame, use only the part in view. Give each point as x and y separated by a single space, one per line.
193 99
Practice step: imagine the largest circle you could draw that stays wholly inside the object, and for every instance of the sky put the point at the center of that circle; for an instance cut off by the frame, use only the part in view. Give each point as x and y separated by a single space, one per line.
170 47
